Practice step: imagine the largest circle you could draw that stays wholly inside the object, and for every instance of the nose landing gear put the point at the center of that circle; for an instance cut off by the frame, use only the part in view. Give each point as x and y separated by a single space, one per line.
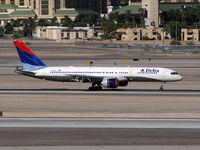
161 88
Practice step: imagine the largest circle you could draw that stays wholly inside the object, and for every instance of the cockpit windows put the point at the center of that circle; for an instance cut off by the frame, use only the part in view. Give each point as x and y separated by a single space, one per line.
174 73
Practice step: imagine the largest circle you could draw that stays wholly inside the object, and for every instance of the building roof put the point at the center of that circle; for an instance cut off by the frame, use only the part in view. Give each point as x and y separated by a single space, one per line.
7 6
4 16
75 12
163 7
23 13
22 7
170 6
132 8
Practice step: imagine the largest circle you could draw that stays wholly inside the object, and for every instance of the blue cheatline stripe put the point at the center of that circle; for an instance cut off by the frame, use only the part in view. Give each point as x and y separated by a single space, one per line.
30 59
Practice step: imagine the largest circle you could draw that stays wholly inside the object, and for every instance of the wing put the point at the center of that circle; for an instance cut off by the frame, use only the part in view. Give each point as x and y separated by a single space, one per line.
86 78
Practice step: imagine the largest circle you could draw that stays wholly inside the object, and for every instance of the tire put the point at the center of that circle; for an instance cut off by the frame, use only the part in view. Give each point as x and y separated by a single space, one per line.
96 88
100 88
90 89
161 89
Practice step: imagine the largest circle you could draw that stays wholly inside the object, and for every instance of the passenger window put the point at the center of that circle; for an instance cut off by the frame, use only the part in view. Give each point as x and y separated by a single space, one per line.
174 73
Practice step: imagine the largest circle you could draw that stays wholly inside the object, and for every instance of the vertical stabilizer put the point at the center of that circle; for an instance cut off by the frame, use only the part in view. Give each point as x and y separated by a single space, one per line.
29 60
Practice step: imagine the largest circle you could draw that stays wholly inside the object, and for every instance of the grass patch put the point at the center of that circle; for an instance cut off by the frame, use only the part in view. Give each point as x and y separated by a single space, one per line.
195 52
175 43
27 43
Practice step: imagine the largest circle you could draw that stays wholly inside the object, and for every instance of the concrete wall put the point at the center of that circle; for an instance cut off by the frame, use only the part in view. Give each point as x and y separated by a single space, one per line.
55 33
190 34
137 34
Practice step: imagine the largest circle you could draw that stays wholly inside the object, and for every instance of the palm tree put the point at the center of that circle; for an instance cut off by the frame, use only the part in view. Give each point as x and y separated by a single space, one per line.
29 26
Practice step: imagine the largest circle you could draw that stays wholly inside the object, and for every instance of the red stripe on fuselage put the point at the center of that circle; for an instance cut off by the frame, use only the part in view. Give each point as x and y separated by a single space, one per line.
23 47
116 82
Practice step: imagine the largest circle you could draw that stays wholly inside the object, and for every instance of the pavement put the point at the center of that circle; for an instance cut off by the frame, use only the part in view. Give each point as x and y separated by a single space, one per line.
112 126
148 147
26 132
103 92
103 123
22 96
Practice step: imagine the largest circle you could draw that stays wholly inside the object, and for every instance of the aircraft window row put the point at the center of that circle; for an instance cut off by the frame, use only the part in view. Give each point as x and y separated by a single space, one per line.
82 72
174 73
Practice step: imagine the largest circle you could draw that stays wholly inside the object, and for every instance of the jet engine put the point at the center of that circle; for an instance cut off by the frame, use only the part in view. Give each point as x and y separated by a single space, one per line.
114 82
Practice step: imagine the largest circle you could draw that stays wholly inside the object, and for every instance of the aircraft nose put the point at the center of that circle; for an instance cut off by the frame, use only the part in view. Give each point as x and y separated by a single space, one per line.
180 77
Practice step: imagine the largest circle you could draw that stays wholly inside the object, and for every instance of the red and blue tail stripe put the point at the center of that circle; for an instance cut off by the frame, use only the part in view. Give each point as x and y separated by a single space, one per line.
27 57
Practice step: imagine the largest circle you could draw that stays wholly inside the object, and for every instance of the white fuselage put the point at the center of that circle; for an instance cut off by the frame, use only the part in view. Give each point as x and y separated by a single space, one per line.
137 74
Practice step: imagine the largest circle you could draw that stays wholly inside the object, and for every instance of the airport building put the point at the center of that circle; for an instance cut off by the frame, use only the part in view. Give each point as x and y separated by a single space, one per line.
190 35
60 33
47 9
152 9
179 1
138 34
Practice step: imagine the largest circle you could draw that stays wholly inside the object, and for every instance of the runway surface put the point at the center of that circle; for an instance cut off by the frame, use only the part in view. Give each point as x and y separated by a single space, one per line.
99 123
103 92
98 132
24 96
135 147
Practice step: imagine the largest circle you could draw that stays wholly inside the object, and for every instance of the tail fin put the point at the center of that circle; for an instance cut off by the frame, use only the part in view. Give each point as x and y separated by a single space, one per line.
29 60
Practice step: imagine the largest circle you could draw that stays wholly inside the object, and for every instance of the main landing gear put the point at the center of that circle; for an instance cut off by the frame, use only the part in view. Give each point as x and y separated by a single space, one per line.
95 88
161 88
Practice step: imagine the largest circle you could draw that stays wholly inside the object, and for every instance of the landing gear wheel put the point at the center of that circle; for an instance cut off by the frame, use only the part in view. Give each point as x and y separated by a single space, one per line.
100 88
96 88
90 88
161 88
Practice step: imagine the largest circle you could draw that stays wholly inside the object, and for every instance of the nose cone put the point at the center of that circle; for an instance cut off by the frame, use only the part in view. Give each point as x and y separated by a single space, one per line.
179 78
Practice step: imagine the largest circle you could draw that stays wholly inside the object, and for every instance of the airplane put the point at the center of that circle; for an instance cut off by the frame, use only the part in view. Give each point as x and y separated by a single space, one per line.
107 77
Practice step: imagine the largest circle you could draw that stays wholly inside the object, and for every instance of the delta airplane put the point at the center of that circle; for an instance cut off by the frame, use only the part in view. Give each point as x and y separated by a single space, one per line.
108 77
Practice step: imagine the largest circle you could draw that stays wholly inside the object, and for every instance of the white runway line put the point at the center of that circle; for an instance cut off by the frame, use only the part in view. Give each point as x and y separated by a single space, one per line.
119 92
99 123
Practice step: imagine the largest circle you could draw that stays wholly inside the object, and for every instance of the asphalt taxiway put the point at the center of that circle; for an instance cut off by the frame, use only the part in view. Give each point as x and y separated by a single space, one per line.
18 132
103 92
135 147
22 96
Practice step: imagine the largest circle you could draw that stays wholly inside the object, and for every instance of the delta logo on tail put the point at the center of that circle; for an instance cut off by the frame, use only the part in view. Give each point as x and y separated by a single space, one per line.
149 71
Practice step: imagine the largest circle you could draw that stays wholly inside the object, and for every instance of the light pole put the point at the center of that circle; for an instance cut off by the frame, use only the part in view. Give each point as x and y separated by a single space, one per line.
197 34
176 31
163 36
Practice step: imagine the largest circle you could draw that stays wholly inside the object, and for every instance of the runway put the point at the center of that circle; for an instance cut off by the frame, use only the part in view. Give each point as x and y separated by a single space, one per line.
17 132
21 96
103 92
135 147
125 123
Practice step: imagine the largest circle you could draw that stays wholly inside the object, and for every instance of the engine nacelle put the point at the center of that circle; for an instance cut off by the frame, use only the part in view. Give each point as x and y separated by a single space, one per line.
122 81
114 82
110 83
